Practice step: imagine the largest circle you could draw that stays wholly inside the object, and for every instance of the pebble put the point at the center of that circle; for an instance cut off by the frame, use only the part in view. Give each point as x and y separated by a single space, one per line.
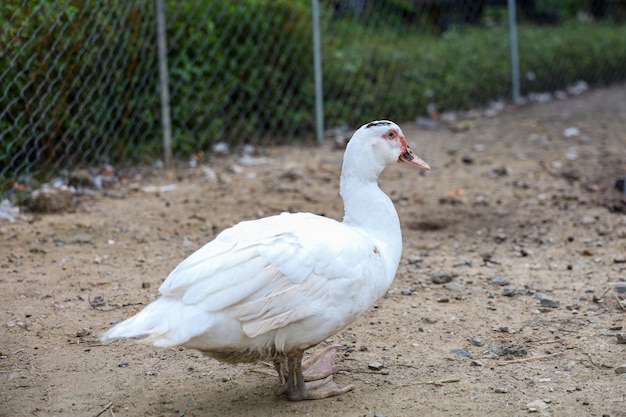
453 286
377 366
508 291
547 302
571 132
414 259
620 259
500 281
478 341
525 252
500 390
476 363
461 352
621 369
442 277
442 298
621 338
407 291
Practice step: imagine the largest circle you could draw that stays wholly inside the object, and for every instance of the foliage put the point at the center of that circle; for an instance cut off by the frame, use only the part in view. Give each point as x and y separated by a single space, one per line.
398 73
238 68
71 77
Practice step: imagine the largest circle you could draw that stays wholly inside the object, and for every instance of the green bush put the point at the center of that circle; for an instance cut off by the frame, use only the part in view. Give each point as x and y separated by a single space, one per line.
77 80
398 72
238 70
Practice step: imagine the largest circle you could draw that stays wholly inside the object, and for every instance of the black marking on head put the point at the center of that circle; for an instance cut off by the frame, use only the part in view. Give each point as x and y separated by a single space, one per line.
380 123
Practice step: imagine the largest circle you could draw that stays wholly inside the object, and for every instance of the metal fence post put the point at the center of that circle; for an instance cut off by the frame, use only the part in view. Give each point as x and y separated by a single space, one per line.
515 77
317 68
166 122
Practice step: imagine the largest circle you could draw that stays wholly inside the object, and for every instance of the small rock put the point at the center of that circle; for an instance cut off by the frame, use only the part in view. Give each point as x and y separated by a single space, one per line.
377 366
546 302
453 286
481 200
500 281
508 291
621 369
500 390
478 341
461 352
499 172
621 338
220 148
577 88
145 285
571 132
476 363
441 277
442 298
429 320
414 259
97 301
124 365
379 415
620 259
407 291
467 159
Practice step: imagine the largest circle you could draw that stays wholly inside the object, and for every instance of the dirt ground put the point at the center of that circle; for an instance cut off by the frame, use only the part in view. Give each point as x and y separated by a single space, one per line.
524 222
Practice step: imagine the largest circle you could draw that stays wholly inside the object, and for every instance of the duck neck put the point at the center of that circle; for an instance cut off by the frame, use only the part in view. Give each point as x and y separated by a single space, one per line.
367 207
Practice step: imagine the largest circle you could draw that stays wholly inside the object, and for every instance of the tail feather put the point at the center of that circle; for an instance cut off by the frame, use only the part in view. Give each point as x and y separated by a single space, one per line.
165 322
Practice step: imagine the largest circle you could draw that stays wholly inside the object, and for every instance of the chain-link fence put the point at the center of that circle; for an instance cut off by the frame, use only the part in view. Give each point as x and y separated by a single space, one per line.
79 79
77 85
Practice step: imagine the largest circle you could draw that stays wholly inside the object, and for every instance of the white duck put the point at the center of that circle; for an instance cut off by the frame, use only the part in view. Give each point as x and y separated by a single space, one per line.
269 289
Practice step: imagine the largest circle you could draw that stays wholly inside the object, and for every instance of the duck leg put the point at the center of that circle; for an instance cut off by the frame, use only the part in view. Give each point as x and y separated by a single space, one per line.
297 389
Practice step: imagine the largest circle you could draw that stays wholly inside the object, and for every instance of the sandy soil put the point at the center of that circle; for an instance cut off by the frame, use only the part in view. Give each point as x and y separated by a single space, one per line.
525 222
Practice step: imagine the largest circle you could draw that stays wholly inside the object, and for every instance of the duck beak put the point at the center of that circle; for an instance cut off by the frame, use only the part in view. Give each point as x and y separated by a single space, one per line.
409 157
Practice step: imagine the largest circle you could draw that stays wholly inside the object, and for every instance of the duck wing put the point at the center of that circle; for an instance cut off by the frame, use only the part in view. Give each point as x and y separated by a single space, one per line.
275 271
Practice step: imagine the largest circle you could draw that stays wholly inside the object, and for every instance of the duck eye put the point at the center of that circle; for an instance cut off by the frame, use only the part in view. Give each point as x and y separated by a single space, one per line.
391 134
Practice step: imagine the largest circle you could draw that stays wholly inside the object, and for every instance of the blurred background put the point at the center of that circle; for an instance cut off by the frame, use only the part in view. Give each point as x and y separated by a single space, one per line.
83 86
